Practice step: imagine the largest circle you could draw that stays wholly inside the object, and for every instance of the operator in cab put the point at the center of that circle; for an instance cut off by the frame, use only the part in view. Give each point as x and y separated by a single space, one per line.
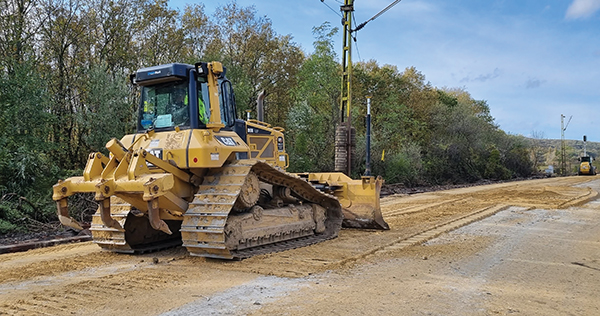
165 105
179 108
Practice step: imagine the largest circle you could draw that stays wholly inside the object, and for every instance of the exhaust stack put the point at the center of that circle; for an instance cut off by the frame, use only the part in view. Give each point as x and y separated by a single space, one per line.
260 110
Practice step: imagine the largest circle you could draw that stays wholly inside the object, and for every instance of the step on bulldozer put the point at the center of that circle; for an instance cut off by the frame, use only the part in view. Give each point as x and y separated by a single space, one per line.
194 174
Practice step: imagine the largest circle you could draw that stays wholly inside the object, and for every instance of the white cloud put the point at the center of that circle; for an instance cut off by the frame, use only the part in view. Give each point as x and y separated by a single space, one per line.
582 8
482 77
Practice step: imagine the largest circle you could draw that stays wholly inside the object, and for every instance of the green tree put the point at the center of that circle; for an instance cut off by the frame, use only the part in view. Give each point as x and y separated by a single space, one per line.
257 59
19 23
196 25
27 172
110 30
107 112
158 35
312 120
25 122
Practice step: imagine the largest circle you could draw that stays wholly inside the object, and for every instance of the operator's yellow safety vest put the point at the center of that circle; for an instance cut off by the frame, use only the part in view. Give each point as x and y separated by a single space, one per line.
202 111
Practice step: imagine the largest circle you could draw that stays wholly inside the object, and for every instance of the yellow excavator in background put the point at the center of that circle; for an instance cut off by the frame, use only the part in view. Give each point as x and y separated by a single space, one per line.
195 174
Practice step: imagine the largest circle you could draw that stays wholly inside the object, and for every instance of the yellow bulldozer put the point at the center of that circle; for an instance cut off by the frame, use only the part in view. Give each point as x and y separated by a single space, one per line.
194 174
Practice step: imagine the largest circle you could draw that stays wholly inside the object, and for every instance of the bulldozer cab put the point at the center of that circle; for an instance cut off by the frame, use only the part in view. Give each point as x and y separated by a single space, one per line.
181 96
184 96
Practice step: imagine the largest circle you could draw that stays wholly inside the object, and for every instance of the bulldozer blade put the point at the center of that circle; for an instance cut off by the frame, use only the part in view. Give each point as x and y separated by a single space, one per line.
363 216
359 198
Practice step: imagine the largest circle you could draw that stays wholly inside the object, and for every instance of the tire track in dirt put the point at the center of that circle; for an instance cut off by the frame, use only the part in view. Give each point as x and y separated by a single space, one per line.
56 266
83 296
439 229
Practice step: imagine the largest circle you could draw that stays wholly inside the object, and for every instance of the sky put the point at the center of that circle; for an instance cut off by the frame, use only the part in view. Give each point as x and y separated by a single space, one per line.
531 60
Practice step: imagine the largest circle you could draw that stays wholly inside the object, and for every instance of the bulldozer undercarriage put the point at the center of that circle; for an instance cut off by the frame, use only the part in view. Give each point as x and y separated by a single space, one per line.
240 210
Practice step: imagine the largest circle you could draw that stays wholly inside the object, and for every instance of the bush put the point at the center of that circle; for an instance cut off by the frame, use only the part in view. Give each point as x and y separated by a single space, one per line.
494 169
403 167
7 227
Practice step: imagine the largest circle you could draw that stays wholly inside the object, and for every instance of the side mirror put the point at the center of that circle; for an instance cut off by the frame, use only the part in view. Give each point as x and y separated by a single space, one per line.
132 79
201 69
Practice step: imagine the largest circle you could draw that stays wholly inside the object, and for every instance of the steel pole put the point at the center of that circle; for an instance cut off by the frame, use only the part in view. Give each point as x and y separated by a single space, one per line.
368 149
562 145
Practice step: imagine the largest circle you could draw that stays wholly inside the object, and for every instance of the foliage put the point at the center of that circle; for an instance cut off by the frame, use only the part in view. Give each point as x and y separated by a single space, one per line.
311 122
404 166
257 59
108 110
451 136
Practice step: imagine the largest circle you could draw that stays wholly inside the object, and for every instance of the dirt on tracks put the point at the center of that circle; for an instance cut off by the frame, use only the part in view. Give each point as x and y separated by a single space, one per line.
82 279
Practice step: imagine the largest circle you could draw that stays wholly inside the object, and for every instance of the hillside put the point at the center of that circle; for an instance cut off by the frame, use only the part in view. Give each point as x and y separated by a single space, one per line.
547 152
593 148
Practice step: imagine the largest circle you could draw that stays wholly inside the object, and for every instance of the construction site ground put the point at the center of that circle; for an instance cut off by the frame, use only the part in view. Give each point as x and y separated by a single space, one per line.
520 248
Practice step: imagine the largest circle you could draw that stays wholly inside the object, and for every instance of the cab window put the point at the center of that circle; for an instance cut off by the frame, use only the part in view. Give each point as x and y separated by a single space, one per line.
164 105
203 103
227 104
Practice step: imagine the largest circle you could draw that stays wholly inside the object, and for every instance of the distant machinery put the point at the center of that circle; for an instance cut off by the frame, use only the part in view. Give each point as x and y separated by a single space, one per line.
585 162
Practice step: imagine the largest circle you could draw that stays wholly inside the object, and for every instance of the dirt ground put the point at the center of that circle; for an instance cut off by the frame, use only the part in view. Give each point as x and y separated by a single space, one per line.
520 248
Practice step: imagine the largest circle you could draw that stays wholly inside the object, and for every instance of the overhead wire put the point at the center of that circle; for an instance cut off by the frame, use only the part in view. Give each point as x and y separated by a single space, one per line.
330 8
360 26
355 41
358 51
353 20
376 15
384 10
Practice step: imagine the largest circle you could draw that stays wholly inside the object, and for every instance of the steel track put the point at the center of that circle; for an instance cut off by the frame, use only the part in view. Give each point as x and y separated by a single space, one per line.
203 228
